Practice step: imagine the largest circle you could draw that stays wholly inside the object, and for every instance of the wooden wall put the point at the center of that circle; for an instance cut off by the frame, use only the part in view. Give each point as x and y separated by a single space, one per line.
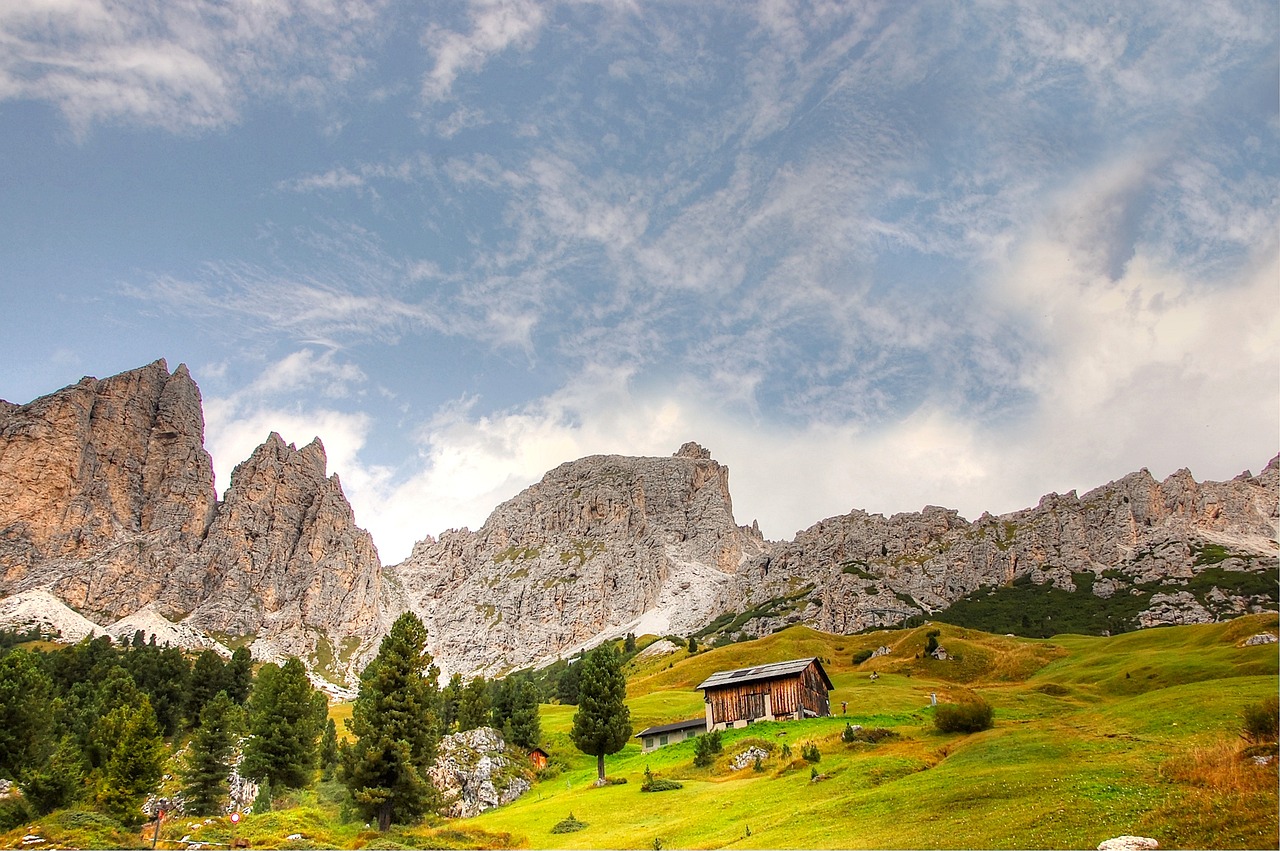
788 695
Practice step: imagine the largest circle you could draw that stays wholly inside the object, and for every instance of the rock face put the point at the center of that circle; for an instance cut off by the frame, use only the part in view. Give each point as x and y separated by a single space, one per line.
601 546
861 570
105 489
475 772
107 504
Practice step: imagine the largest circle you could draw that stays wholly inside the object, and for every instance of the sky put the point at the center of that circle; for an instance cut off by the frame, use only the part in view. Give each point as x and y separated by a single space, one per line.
870 255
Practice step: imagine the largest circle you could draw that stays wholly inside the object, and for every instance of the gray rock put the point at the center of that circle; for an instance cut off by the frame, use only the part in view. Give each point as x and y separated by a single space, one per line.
1260 638
1129 843
474 772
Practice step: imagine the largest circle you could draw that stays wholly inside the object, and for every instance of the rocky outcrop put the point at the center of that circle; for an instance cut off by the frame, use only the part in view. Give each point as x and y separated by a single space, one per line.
862 570
601 546
105 489
107 505
474 771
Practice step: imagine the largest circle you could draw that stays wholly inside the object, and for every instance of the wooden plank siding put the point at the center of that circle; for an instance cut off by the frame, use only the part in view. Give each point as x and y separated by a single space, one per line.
788 697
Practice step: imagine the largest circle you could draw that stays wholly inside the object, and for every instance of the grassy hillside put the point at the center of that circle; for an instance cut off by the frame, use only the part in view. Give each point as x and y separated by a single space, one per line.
1094 738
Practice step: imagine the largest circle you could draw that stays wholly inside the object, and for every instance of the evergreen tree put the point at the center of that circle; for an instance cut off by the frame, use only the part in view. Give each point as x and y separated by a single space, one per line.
164 675
328 749
209 757
450 697
629 643
134 761
285 719
567 685
602 724
523 726
25 721
208 678
474 708
57 781
693 645
239 675
396 721
262 801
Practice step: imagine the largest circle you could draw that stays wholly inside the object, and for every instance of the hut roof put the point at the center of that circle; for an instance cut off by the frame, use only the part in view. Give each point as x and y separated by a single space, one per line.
771 671
692 723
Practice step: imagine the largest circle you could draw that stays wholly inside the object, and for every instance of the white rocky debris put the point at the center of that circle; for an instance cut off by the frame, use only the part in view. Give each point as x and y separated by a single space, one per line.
475 772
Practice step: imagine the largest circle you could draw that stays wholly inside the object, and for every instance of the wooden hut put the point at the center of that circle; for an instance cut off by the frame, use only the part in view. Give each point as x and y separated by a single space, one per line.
779 691
538 758
653 738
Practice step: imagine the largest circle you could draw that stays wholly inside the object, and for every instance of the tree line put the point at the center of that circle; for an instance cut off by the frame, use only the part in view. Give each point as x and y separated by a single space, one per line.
95 724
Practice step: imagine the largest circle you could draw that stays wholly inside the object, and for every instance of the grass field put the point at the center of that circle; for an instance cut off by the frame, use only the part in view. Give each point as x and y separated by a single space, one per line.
1093 738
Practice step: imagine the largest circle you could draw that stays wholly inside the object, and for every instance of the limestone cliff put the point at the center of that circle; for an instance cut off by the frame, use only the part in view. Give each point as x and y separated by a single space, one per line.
107 503
601 546
105 489
861 570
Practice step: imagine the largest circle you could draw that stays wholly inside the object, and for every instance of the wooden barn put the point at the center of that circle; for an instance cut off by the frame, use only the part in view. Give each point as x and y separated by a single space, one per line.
538 758
779 691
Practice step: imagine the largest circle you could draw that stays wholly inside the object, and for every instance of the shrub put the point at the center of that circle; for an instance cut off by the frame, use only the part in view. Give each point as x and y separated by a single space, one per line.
1262 720
867 735
656 784
971 717
810 752
861 656
706 749
568 825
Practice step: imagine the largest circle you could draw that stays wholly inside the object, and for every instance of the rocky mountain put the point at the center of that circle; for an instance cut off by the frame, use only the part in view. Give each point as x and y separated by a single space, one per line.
107 504
601 546
109 521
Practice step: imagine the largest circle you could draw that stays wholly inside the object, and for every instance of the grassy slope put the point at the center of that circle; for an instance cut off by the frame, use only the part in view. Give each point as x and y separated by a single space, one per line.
1086 729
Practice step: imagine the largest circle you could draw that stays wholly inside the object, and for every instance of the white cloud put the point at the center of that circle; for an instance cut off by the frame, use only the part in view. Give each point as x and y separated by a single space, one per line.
495 26
182 65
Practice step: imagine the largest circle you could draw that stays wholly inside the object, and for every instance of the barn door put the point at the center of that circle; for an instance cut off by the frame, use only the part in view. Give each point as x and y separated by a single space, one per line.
752 705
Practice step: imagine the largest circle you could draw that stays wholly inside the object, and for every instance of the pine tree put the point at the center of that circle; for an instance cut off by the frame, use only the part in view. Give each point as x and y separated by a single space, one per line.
285 719
208 678
328 750
239 675
450 697
134 761
57 781
602 724
209 757
475 708
693 645
629 643
567 685
396 721
262 801
523 721
25 720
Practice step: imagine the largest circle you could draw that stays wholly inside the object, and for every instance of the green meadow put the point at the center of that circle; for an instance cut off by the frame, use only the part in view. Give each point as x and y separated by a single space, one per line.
1093 738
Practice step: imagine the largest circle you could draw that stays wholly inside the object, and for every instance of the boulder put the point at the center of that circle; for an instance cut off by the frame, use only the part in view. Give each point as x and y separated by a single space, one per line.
474 772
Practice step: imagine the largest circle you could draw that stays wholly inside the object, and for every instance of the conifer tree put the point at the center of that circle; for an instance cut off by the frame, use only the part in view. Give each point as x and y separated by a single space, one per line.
523 726
450 697
567 684
134 761
397 724
238 675
208 678
25 721
285 719
57 781
209 757
328 750
602 724
474 707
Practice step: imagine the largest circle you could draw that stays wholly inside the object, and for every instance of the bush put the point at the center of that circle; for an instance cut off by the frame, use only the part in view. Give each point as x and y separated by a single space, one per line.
707 747
866 735
655 784
969 717
861 656
568 825
810 752
1262 720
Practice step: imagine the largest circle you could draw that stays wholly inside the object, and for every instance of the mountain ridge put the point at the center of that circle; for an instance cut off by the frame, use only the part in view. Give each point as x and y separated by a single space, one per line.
107 503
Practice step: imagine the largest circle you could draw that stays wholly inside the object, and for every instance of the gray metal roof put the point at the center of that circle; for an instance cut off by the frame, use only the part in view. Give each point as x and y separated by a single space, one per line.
692 723
770 671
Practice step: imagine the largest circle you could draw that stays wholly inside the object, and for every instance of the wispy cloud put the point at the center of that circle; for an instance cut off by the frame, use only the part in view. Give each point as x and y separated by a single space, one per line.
495 25
184 66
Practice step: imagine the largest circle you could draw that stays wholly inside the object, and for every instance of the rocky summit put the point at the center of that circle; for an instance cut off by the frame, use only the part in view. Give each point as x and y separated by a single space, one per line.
109 523
107 504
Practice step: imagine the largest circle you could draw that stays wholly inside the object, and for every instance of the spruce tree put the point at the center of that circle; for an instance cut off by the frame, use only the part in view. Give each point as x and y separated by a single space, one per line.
567 684
602 724
239 675
525 727
208 678
57 781
396 719
209 757
134 761
450 697
475 708
328 750
25 720
285 719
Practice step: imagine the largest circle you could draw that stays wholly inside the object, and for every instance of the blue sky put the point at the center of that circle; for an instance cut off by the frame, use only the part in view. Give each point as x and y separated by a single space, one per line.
872 255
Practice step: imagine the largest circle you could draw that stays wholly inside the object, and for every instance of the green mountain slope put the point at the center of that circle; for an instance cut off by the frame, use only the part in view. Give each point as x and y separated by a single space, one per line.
1093 738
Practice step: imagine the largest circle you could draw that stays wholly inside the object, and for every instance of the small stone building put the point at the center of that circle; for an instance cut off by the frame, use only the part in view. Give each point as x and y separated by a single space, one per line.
797 688
668 734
